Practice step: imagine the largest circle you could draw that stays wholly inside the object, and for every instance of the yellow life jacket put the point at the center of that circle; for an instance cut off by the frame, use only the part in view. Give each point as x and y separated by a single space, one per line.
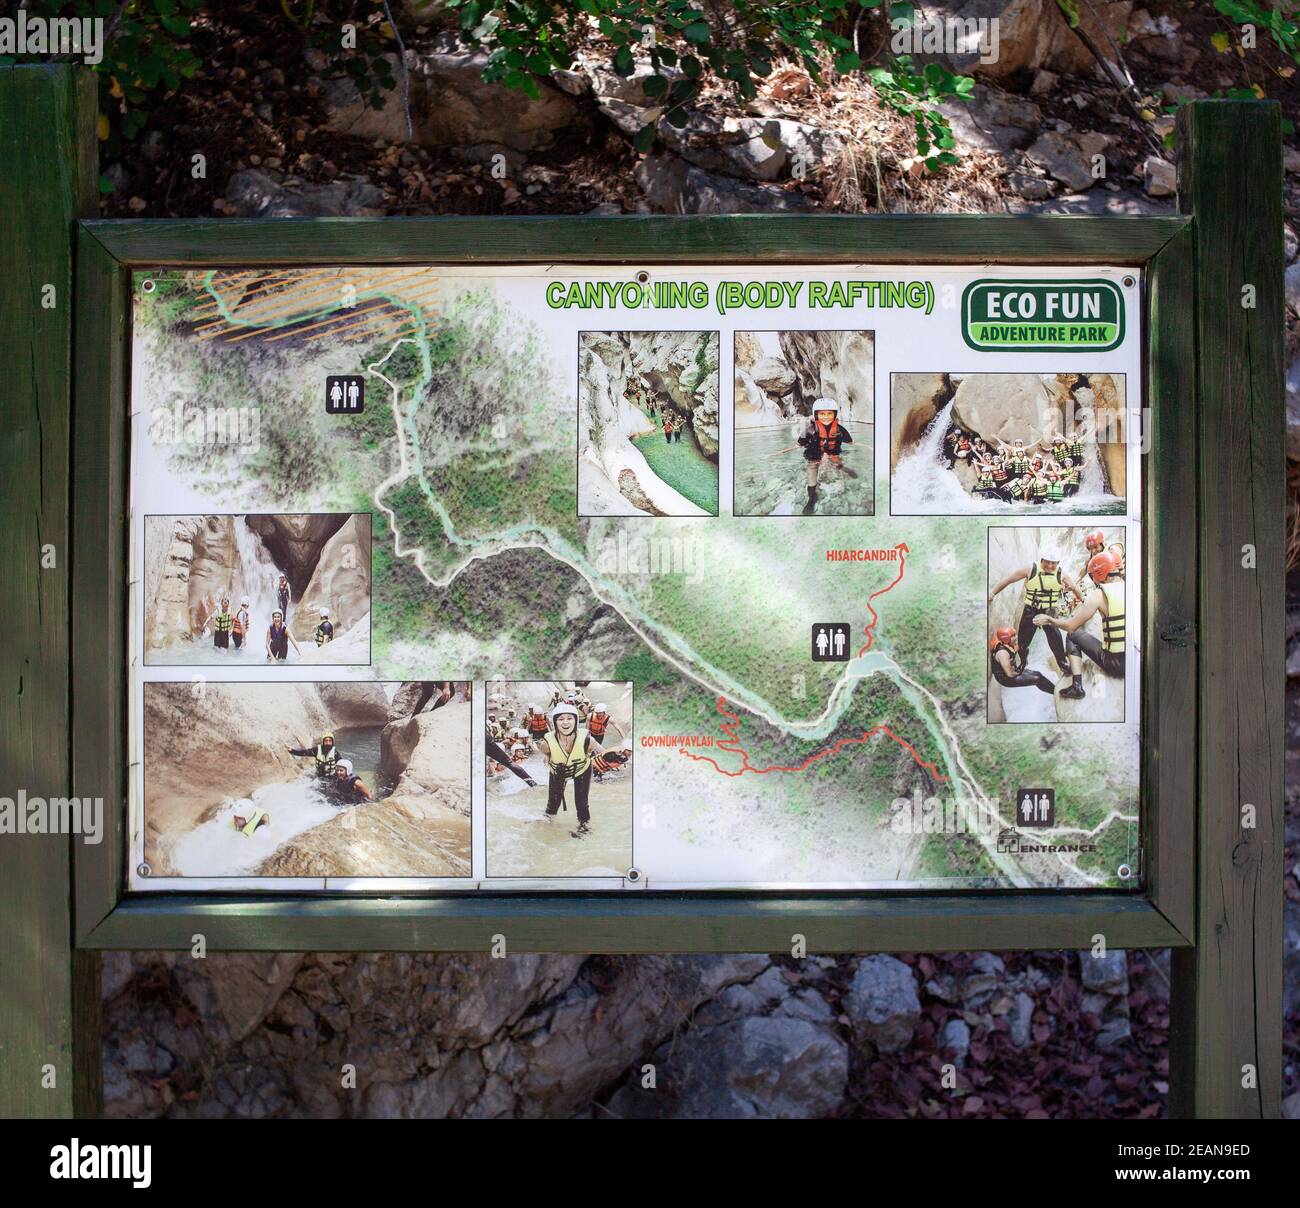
325 760
223 621
254 822
1042 590
1112 624
572 763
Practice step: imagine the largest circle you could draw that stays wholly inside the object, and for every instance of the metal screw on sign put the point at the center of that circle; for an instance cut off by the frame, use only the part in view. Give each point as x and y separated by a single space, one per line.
143 869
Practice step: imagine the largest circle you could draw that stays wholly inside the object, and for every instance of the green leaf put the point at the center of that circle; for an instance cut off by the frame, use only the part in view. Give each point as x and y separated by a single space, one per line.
848 62
698 32
645 138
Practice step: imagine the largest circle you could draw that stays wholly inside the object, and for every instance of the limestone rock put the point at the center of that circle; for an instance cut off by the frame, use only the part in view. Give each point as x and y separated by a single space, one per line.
673 186
263 193
339 582
1062 157
834 364
882 1003
355 703
452 105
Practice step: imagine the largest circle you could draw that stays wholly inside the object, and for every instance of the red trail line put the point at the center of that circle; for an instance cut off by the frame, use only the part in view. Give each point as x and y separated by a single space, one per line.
870 628
731 727
732 746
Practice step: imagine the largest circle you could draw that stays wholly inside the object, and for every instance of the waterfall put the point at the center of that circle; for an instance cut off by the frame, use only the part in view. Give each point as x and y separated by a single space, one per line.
256 577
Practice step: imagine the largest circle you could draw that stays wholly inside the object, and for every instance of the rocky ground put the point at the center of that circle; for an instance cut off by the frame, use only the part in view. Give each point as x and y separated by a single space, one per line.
1057 1034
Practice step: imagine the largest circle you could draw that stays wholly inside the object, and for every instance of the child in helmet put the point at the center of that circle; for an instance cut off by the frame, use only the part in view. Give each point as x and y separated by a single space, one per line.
823 437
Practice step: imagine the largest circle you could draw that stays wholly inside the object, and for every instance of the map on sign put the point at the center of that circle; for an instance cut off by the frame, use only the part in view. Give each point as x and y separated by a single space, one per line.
636 577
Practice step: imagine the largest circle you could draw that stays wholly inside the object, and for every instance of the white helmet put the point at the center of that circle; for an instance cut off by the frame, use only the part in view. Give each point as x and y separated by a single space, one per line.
345 765
244 601
1049 553
324 612
536 709
825 404
562 709
601 708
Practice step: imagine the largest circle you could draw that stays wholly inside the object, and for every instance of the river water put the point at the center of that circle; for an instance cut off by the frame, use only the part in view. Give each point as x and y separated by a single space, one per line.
771 476
216 849
683 467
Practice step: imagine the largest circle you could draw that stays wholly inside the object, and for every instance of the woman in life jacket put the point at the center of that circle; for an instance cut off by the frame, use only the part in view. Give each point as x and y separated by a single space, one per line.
279 639
1044 582
221 623
569 750
824 437
346 787
1107 600
325 630
1007 671
242 624
282 596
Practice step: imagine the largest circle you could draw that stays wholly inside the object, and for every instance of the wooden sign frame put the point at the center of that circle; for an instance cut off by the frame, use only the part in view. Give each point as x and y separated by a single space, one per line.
1212 629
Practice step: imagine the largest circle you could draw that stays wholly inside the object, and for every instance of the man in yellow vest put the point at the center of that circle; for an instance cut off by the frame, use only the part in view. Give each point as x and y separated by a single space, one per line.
221 623
325 753
1107 601
1043 583
569 750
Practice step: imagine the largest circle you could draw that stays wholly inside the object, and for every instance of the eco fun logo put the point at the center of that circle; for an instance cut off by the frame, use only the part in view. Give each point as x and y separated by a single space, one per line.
1042 316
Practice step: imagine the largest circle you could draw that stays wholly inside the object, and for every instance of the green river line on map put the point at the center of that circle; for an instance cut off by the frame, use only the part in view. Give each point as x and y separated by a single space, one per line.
667 644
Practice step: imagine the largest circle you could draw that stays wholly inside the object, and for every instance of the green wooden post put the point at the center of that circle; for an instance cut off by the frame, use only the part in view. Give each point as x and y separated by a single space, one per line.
1226 1039
49 1016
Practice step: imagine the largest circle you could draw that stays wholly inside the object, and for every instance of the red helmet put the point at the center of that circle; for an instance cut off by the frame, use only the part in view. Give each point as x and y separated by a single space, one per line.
1102 566
1094 540
1004 635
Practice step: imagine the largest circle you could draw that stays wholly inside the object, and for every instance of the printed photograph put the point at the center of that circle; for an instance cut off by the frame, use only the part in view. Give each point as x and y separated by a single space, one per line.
257 590
1024 443
804 423
648 423
559 778
1056 625
307 779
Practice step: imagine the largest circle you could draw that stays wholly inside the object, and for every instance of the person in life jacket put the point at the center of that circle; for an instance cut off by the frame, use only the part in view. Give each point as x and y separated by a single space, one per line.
984 482
221 623
610 761
1107 600
249 823
1004 665
599 721
569 750
1070 470
1044 582
347 787
279 639
282 596
508 760
1094 541
1116 552
1055 487
325 753
535 722
242 623
1018 490
1076 448
325 630
823 437
1038 489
